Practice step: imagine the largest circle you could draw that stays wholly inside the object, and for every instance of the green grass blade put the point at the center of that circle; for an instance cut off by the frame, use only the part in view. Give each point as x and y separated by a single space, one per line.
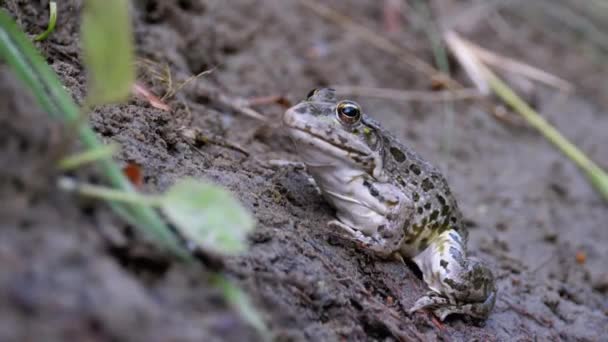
52 21
91 155
31 68
107 48
597 177
241 302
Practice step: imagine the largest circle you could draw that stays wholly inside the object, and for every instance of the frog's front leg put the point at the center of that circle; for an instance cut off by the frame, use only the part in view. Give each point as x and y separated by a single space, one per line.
374 221
459 284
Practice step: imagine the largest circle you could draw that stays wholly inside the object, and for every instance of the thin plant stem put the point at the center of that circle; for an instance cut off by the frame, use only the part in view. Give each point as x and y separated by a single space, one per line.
597 177
52 22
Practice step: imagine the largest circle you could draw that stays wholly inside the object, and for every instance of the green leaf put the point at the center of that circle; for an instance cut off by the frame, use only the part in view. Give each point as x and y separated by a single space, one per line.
208 215
241 302
107 43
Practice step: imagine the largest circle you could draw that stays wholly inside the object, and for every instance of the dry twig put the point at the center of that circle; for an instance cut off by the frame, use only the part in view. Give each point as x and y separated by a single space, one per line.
237 104
410 95
460 46
198 138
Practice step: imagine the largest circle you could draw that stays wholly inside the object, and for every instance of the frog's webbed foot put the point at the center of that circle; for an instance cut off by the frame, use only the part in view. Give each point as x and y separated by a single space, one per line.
442 307
383 246
459 285
346 233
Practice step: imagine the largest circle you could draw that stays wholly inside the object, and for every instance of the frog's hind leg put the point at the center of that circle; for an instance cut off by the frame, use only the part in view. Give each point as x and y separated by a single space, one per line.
459 284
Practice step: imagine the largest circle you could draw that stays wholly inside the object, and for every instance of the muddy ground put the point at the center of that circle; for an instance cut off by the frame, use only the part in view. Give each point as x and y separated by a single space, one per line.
70 270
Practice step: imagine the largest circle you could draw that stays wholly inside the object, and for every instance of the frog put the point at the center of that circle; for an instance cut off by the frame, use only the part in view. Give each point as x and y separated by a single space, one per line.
390 201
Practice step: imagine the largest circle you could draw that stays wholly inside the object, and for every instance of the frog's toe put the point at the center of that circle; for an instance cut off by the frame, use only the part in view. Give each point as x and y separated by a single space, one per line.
430 301
346 233
442 307
479 310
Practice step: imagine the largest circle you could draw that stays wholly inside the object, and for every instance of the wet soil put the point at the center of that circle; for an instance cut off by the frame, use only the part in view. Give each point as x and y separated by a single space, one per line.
69 269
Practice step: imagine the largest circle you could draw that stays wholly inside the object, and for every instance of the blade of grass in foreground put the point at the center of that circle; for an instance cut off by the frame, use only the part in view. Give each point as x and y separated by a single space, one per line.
31 68
107 49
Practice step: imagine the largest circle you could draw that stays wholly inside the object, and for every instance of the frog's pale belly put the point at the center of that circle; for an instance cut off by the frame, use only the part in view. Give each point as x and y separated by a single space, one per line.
390 201
340 188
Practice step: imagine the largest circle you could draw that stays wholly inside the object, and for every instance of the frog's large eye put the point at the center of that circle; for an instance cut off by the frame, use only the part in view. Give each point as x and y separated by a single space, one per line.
311 93
348 112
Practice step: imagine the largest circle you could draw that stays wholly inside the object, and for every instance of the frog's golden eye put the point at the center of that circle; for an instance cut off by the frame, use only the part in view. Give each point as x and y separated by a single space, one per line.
311 93
348 112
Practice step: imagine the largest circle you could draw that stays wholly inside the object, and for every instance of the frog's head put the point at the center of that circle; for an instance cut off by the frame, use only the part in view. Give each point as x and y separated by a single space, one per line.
329 132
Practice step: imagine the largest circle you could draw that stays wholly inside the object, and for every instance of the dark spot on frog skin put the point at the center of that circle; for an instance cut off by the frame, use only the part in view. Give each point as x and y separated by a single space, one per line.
444 264
444 225
314 111
420 210
434 215
397 154
415 197
445 210
415 169
414 183
400 181
372 190
427 185
427 206
453 219
441 199
456 286
424 243
301 109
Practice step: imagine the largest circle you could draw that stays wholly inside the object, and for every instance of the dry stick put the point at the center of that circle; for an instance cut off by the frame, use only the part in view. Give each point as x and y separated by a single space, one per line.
464 52
594 173
379 42
511 65
172 91
236 104
410 95
386 45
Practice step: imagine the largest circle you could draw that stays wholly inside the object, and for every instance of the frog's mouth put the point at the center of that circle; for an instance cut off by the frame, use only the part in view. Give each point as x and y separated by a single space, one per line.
318 140
318 152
